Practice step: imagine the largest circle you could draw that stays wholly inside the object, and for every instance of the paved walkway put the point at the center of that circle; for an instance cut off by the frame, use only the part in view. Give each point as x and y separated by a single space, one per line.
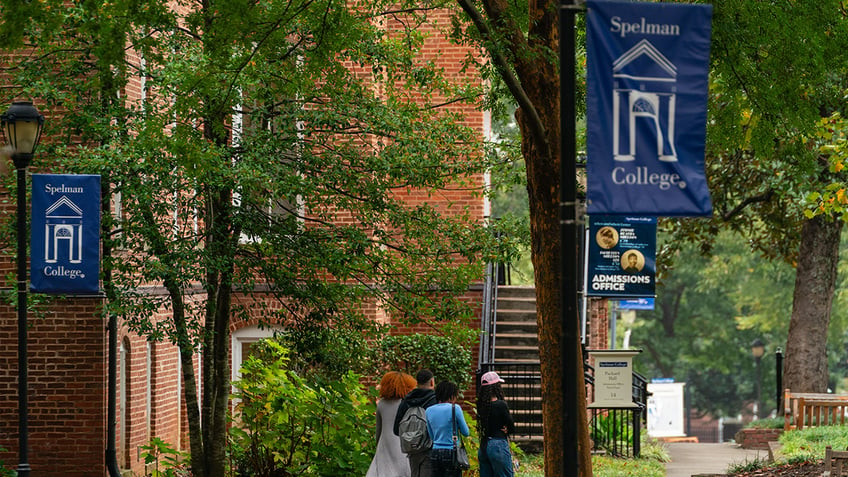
688 458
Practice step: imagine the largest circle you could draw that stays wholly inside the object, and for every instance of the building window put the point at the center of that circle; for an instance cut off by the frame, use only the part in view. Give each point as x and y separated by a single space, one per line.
242 340
123 400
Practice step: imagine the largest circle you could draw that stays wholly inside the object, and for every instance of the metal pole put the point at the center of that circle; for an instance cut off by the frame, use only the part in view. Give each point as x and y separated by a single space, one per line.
778 397
21 162
568 240
758 412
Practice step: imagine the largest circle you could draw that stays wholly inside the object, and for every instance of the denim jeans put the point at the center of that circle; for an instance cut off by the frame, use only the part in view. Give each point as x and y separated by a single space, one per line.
419 464
495 459
441 461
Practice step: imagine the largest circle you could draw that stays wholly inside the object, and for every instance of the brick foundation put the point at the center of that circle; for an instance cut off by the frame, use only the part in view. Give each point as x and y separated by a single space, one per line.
757 438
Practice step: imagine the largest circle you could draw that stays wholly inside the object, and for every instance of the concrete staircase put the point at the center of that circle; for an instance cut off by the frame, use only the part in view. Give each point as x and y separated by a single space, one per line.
516 359
516 338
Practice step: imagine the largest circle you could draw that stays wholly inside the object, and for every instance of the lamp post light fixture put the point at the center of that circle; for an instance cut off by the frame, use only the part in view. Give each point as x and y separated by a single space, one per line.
758 349
22 125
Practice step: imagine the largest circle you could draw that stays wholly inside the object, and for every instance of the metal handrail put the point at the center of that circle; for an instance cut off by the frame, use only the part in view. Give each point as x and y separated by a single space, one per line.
489 316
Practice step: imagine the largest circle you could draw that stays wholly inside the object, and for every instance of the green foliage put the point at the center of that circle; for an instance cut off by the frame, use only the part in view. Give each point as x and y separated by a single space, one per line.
748 465
166 460
287 425
604 466
329 351
448 356
709 308
767 423
653 450
612 430
810 443
4 472
831 140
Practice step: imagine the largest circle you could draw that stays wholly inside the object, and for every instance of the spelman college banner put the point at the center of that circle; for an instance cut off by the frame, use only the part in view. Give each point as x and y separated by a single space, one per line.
65 239
647 67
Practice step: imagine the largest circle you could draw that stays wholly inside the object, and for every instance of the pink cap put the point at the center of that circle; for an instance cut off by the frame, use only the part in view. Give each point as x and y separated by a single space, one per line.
490 378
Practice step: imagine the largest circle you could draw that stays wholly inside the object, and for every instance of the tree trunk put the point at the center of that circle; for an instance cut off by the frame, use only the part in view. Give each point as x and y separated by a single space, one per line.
544 189
815 281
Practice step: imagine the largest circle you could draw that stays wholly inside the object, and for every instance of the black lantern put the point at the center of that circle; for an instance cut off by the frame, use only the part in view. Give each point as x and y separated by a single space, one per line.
22 125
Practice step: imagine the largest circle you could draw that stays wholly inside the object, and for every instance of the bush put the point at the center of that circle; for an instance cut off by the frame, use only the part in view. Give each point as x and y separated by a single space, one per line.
448 358
287 425
4 472
767 423
652 449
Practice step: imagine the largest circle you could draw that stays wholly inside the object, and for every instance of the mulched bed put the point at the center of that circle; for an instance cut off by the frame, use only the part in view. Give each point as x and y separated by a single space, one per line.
787 470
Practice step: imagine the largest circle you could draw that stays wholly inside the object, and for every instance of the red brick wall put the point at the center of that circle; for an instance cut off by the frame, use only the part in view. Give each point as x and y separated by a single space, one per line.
757 438
597 326
67 388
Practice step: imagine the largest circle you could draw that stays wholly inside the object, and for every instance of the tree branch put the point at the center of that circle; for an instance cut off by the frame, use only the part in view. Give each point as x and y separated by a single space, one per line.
512 82
764 197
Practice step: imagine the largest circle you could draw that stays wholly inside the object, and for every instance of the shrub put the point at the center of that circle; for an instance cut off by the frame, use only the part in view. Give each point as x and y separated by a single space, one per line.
4 472
287 425
652 449
447 357
767 423
166 460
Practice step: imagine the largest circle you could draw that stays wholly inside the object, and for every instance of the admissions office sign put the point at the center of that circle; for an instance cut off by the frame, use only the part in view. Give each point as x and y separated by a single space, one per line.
65 238
647 84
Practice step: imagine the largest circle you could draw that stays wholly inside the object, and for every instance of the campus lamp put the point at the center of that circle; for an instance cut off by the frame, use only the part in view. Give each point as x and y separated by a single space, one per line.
22 125
758 349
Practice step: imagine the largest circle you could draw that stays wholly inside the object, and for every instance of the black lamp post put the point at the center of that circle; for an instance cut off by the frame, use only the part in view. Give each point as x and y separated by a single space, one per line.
778 363
758 349
22 126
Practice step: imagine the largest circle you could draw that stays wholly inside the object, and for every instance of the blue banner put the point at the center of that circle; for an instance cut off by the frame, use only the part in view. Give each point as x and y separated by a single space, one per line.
636 304
647 83
65 239
622 256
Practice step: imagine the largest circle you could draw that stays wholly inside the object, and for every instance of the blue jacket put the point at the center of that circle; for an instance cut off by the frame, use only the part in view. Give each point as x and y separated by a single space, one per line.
439 422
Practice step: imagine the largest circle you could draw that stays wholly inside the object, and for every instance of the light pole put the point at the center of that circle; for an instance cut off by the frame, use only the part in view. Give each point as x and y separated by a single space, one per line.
778 363
758 349
22 126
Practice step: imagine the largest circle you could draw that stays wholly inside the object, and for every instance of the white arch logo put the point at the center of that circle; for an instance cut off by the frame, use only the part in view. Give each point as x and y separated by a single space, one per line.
644 104
63 232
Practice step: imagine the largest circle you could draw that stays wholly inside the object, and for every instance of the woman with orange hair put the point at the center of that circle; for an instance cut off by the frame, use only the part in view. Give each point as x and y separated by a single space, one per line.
389 461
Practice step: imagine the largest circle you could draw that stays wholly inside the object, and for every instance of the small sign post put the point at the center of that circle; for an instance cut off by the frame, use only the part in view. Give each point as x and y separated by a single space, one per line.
613 378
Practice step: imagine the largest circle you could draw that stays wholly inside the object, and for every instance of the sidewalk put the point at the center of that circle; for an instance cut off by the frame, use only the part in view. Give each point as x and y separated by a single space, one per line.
688 458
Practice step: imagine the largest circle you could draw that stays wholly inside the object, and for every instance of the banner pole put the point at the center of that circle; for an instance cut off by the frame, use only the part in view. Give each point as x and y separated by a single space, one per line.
569 245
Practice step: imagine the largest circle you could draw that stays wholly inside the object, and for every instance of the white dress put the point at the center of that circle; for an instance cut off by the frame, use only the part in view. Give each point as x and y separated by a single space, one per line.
388 461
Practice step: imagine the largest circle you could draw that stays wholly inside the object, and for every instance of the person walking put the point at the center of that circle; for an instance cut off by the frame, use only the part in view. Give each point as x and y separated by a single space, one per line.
424 396
444 421
494 425
389 461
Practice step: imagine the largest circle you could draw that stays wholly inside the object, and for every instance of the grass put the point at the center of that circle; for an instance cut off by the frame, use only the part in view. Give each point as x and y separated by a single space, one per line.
602 466
806 445
650 465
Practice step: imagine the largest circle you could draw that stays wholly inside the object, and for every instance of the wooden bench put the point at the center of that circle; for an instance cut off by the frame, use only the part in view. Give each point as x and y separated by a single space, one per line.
813 410
835 463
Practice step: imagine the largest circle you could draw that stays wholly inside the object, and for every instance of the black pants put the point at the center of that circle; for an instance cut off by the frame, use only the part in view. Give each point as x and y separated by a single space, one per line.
441 460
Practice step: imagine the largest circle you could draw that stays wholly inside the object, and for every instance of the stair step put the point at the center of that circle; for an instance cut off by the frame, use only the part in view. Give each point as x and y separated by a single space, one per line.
505 327
525 304
509 314
517 291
